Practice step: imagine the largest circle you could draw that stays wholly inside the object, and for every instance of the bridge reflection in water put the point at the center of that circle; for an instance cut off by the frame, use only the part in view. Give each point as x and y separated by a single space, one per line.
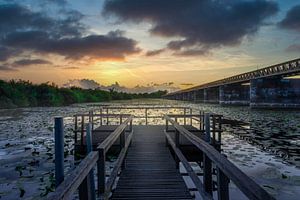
149 156
268 87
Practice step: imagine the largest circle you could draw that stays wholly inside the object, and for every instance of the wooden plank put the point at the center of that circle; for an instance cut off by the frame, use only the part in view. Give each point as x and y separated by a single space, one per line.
150 171
72 182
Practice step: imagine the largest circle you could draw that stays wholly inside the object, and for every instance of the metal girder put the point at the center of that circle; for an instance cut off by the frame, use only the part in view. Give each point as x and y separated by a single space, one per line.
291 67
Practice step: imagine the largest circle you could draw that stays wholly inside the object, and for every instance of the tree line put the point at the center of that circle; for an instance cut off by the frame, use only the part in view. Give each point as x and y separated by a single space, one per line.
26 94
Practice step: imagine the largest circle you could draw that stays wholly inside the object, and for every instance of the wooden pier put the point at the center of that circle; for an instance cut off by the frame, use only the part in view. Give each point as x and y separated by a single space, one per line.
149 156
150 170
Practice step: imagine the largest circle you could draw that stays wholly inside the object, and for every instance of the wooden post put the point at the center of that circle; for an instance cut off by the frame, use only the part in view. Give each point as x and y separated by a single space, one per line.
107 116
222 182
101 172
87 187
207 127
91 119
146 115
177 143
89 144
75 129
191 118
100 116
220 129
167 125
130 126
82 129
213 141
59 150
207 174
184 113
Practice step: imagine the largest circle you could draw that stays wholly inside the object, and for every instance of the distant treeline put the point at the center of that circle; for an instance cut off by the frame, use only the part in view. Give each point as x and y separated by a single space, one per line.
25 94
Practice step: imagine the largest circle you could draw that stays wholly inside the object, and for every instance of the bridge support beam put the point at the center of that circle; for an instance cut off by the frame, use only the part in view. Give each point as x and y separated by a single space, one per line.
275 92
234 94
211 95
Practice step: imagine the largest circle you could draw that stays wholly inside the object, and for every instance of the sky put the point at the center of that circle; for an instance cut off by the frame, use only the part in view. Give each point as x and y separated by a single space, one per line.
144 43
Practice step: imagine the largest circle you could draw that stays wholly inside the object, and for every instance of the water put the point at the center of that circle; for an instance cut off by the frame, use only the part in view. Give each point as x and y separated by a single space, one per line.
265 146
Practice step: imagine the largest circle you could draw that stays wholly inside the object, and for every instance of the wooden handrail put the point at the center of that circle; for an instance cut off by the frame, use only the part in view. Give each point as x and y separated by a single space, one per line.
109 141
104 187
197 182
72 182
250 188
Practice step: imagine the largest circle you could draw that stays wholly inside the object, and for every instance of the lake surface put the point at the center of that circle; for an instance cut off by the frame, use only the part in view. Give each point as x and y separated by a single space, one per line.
263 143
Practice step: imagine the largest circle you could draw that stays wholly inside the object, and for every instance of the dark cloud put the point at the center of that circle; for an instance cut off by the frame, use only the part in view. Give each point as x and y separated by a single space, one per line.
22 29
292 19
154 52
6 53
26 62
111 46
201 24
293 48
14 17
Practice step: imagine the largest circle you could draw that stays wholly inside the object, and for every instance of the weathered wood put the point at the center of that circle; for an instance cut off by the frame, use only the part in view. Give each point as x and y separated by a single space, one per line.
75 129
65 190
250 188
207 176
207 127
150 171
222 182
59 150
146 115
101 171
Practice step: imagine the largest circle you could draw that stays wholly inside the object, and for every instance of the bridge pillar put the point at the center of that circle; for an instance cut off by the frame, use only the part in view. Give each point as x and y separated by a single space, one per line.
274 92
234 94
199 95
211 95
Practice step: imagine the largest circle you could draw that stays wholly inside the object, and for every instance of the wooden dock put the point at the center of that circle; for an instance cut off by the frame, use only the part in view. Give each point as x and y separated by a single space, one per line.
148 158
150 170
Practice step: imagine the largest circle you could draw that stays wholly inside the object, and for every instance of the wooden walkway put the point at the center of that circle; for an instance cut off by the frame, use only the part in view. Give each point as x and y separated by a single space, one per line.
150 171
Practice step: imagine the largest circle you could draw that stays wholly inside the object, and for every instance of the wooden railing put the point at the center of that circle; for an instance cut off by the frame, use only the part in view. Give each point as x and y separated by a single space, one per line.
79 178
80 121
226 170
209 124
108 109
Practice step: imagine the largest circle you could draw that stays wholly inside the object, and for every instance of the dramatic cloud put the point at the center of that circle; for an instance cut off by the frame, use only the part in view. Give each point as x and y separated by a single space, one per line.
201 25
26 62
91 84
23 30
292 19
110 46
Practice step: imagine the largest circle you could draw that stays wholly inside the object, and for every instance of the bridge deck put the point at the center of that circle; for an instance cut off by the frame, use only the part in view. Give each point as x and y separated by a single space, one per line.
150 171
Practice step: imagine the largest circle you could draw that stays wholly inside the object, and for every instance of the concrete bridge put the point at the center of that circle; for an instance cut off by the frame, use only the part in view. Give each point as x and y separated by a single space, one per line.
269 87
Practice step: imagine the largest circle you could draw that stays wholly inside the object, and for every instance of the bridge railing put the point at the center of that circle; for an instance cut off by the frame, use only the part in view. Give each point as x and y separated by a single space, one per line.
79 177
226 170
